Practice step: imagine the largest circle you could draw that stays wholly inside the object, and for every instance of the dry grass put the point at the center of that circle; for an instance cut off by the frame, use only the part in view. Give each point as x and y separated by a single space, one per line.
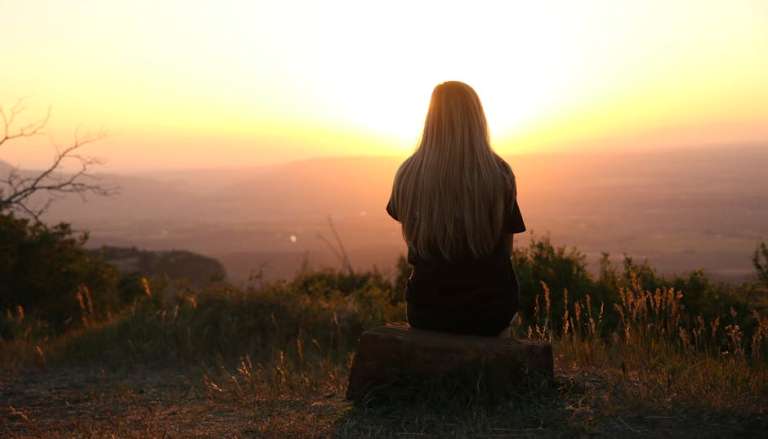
274 363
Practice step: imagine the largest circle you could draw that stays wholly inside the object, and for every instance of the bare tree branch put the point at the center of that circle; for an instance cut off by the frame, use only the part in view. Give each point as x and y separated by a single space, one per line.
31 129
18 187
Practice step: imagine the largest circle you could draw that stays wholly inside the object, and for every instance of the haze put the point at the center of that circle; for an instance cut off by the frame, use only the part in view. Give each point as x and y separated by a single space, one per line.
681 210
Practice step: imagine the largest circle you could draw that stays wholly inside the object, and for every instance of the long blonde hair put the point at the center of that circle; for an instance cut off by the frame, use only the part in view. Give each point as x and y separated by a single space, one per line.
450 194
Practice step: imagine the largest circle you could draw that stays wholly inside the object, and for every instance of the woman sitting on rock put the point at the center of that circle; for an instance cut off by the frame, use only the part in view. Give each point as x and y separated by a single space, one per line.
456 200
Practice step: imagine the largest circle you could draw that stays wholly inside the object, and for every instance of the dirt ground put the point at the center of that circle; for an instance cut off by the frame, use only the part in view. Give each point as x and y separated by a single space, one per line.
94 403
86 402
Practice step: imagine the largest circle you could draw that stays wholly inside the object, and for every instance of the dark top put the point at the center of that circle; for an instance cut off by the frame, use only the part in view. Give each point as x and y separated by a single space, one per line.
475 296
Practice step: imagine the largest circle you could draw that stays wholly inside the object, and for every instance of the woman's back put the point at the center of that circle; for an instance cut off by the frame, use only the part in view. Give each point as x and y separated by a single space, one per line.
457 202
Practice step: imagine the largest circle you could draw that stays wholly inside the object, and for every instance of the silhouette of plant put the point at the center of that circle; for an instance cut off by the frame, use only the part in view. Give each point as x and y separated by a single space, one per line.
19 189
760 261
48 272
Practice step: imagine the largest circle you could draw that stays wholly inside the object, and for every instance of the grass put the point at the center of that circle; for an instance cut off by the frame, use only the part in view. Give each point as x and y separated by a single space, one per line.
273 362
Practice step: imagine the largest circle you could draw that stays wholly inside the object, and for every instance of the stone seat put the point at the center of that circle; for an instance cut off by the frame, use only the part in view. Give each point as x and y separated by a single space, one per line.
388 353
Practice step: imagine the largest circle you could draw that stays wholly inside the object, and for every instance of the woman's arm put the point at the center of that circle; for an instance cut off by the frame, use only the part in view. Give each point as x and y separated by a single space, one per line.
511 238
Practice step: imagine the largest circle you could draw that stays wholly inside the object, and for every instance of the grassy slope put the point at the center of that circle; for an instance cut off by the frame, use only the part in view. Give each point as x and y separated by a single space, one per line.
274 363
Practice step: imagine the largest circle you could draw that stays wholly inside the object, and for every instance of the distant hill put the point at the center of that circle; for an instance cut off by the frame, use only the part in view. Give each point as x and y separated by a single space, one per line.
195 269
682 209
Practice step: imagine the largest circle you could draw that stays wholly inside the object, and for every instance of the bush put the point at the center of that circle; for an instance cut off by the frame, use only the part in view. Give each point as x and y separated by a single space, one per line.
324 283
559 269
46 272
227 323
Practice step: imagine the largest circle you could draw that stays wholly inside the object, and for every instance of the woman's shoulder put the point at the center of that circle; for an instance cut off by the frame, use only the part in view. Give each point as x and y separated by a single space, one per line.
403 166
507 172
504 165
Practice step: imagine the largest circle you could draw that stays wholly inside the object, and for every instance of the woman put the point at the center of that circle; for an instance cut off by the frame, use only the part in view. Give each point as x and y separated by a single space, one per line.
456 200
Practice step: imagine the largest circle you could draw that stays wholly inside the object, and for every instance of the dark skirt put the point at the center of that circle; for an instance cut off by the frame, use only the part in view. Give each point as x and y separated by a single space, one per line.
470 305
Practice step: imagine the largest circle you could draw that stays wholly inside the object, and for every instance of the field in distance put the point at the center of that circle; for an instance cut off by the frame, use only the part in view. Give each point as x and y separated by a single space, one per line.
682 209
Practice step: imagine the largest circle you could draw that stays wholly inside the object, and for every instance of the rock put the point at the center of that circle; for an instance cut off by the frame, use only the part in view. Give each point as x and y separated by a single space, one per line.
387 354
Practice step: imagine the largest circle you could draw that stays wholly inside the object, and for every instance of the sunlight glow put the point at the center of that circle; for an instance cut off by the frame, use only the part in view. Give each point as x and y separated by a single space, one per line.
275 80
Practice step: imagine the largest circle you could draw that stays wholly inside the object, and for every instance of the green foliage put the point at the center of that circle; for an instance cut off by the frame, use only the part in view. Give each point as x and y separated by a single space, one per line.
327 282
561 269
336 306
48 273
228 323
48 277
131 287
403 272
649 352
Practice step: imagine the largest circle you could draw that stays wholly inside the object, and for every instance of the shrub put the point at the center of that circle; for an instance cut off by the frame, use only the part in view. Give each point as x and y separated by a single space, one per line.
326 282
567 280
49 274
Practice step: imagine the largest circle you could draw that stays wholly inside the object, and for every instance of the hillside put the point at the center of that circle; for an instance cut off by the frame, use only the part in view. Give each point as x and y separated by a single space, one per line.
636 355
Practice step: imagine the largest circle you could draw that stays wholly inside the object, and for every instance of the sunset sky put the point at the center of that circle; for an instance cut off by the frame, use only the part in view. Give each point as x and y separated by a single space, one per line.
232 83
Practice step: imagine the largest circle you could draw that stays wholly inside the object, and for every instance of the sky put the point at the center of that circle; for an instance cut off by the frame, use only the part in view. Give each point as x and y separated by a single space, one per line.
229 83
